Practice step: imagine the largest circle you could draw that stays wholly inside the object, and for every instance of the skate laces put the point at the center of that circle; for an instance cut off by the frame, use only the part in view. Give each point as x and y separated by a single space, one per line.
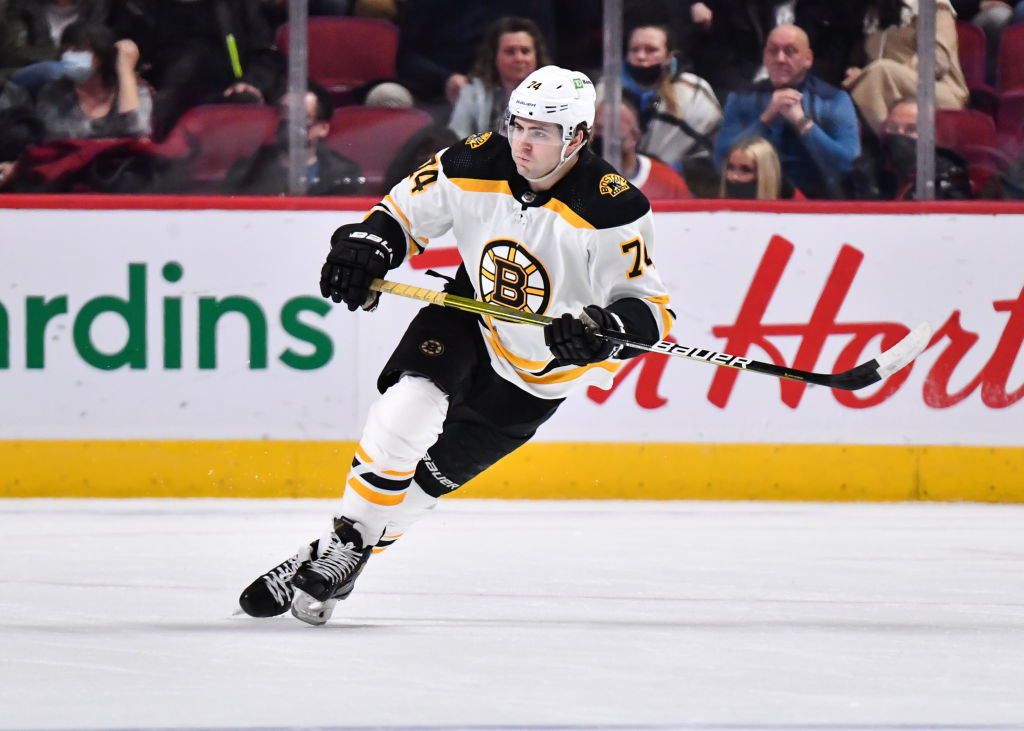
338 561
279 580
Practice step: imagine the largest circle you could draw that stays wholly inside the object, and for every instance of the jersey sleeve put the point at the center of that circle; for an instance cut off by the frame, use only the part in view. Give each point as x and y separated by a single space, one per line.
622 268
421 204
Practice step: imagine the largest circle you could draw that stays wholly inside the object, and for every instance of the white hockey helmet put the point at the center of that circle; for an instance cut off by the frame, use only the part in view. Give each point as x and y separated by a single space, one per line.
553 94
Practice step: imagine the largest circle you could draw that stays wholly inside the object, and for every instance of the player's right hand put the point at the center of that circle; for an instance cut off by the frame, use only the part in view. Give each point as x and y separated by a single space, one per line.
357 257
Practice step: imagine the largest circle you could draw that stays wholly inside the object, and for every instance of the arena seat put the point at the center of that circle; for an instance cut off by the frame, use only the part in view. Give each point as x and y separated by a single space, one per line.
973 57
1010 122
1010 69
372 137
973 135
210 138
346 53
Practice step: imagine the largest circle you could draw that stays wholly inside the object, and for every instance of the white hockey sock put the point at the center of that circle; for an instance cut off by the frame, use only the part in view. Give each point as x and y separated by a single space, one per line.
415 505
400 427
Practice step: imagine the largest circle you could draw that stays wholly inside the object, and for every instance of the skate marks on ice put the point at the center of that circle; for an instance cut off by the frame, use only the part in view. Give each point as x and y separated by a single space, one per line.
560 616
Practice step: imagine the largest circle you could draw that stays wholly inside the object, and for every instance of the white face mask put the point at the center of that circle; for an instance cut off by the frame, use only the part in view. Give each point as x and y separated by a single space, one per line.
78 65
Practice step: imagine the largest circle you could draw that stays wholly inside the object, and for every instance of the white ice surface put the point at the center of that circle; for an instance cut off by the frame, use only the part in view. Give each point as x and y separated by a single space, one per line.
525 615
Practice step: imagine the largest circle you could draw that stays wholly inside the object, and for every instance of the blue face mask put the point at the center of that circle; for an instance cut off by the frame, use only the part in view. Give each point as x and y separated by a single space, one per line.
78 66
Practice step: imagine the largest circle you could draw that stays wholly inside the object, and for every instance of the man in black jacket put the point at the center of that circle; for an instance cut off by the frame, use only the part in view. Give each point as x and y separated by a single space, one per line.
201 52
327 172
889 172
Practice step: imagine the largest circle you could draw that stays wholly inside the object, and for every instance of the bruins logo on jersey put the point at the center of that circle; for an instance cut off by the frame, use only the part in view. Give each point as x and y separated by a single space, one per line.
612 184
510 275
478 139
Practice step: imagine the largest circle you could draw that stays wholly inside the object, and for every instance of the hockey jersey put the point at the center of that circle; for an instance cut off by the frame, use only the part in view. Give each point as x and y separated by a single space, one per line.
588 240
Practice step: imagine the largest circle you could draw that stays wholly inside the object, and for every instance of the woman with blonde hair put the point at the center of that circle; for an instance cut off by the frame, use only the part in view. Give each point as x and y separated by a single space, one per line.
511 49
752 170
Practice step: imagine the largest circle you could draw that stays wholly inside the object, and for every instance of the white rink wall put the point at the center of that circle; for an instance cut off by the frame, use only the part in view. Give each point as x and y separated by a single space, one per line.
205 325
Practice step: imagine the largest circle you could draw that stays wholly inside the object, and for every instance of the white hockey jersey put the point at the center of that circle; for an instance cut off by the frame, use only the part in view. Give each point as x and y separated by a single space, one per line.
589 240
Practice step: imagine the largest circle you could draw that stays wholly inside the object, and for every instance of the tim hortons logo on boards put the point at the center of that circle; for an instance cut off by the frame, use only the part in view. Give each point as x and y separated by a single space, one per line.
749 330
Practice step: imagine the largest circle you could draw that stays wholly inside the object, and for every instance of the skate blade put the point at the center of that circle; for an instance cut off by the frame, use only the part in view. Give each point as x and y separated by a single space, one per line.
312 611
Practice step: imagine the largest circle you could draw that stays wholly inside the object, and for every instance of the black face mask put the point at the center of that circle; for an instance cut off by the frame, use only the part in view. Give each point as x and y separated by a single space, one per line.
734 189
645 75
900 154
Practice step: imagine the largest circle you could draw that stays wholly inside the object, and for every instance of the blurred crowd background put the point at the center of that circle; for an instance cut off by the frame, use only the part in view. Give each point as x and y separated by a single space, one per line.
791 99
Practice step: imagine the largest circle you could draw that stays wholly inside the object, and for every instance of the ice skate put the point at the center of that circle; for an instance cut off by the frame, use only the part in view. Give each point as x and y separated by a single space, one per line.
272 593
321 583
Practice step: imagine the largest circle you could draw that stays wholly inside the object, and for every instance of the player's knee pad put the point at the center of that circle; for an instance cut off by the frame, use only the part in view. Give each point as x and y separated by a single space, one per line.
404 422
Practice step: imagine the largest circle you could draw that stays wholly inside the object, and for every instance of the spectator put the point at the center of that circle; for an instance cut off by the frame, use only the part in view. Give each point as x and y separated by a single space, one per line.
202 52
100 95
811 124
417 150
729 36
752 170
30 32
512 48
438 41
655 179
679 113
19 129
891 53
890 172
12 95
327 172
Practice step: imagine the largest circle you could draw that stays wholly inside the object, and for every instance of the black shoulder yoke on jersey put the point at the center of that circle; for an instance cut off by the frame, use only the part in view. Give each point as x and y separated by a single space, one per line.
593 190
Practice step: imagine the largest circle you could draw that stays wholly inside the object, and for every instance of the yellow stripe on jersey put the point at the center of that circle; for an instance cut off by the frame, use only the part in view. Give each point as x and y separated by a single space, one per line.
555 377
405 219
475 185
666 318
518 361
570 216
375 497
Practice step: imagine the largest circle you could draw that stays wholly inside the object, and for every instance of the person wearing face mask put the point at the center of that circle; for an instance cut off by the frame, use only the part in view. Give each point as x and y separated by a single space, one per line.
890 171
327 172
30 33
752 171
511 49
99 96
679 114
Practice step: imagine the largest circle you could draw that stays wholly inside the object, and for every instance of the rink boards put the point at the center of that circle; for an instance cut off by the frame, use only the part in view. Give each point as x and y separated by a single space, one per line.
180 348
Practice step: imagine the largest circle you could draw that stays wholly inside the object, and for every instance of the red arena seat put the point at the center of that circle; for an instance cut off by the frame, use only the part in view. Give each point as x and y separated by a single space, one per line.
210 138
1010 71
372 137
346 52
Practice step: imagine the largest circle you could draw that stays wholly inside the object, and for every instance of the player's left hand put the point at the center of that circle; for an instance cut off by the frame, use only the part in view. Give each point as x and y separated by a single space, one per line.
575 340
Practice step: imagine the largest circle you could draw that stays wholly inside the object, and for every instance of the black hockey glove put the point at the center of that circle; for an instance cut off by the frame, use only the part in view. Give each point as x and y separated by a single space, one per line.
575 340
357 257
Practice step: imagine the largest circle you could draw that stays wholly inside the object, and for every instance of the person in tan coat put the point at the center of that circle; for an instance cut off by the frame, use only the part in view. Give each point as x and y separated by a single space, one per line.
890 73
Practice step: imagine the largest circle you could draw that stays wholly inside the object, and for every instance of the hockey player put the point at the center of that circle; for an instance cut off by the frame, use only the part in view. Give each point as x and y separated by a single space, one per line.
541 224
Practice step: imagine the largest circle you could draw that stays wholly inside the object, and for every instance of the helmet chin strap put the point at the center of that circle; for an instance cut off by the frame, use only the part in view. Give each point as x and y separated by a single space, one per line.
563 159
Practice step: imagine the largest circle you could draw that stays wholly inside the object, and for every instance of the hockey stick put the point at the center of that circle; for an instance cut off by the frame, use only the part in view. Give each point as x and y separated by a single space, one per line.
853 379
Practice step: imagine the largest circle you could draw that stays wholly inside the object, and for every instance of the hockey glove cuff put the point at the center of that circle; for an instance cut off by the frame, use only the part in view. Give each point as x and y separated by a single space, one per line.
357 257
575 340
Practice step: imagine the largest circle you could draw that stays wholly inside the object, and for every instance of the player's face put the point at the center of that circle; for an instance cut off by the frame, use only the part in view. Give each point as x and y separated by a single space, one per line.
516 58
536 146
